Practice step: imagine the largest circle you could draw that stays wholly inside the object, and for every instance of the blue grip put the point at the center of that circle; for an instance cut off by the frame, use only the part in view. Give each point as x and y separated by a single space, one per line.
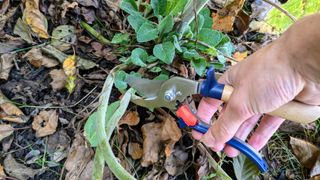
210 87
236 143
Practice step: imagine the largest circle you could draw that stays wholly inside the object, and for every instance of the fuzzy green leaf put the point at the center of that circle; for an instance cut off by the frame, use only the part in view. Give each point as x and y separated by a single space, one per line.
161 77
147 32
139 57
191 54
136 21
159 6
120 38
210 36
119 80
199 65
176 43
175 7
165 52
244 169
129 6
166 24
156 69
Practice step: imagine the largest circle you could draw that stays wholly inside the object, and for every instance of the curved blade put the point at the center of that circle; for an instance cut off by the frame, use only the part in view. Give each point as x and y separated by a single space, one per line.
146 88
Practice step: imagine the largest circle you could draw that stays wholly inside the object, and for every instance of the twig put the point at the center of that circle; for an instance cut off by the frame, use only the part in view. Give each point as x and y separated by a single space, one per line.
294 19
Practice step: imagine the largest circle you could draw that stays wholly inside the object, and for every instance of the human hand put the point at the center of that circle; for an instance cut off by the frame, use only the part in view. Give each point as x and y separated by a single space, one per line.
262 83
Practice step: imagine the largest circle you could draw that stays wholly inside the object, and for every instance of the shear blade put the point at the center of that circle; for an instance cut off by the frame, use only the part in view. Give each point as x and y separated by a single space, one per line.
146 88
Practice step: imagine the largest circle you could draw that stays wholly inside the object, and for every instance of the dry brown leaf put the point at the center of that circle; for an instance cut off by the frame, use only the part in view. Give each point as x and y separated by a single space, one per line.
223 20
35 19
10 112
79 156
5 131
88 3
155 135
58 146
315 171
36 58
306 152
4 6
66 6
131 118
2 173
59 79
6 63
175 163
17 170
45 123
135 150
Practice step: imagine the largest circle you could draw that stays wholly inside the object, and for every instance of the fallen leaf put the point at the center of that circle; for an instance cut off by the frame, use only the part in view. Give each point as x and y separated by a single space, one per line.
155 135
114 4
35 19
260 9
6 63
5 131
88 14
224 18
239 56
66 6
242 22
4 6
6 47
244 168
58 79
9 14
6 144
262 27
21 29
315 171
10 111
17 170
131 118
100 51
135 150
88 3
69 65
79 156
37 59
63 37
58 146
2 173
175 163
306 152
45 123
81 62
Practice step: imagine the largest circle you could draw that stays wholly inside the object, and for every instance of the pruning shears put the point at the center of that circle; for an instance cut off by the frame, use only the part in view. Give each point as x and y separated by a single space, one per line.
173 93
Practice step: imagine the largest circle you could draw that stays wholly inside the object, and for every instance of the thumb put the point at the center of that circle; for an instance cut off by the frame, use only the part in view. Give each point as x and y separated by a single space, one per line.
236 112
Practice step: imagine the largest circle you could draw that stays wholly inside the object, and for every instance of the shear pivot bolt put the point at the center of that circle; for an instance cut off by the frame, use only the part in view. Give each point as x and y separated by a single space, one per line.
169 96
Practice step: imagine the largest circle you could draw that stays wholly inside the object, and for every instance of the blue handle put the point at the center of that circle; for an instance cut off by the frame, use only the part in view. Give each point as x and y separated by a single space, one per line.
236 143
210 87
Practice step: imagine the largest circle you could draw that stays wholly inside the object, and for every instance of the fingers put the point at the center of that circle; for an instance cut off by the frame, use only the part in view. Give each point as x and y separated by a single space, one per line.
228 122
206 109
268 126
242 133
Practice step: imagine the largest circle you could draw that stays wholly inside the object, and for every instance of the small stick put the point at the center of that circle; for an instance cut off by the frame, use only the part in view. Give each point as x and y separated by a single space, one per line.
294 19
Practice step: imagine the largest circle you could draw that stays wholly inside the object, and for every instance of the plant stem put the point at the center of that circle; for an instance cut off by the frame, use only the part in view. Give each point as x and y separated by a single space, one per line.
94 33
186 18
294 19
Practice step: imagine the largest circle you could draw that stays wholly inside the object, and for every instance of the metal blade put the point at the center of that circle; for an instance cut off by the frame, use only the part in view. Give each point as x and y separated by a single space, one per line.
146 88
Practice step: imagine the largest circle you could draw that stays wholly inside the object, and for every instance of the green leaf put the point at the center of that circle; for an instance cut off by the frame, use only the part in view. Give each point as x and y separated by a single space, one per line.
165 52
98 164
197 24
151 59
136 21
120 38
129 6
199 65
212 51
139 57
119 80
205 12
90 130
159 6
210 36
175 7
176 43
226 49
221 59
147 32
166 24
191 54
63 36
156 69
244 169
161 77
